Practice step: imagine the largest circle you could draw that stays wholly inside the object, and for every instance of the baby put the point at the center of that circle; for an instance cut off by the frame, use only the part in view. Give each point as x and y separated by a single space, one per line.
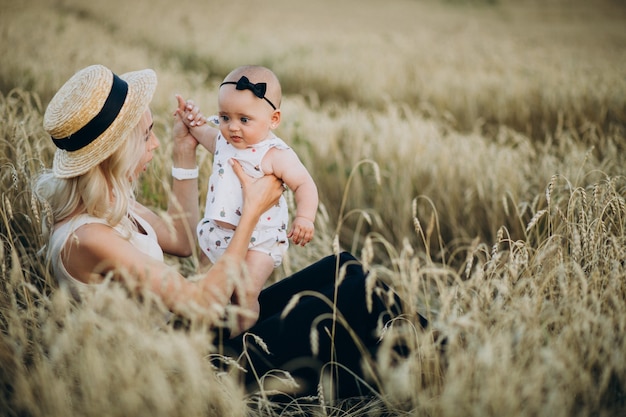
249 101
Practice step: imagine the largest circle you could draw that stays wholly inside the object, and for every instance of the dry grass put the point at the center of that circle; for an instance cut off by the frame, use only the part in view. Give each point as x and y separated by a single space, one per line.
471 153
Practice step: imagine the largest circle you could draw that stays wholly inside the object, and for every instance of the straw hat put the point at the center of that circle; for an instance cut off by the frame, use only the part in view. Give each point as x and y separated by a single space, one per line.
90 116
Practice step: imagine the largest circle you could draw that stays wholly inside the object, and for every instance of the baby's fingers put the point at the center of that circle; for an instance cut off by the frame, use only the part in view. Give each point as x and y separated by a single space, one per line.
299 235
197 120
193 115
306 237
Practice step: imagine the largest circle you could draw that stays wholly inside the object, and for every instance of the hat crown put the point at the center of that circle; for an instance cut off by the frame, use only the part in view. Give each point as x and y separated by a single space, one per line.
78 101
92 113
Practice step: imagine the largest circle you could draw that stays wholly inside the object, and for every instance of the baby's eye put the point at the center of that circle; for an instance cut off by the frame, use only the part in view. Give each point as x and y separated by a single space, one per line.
224 118
244 120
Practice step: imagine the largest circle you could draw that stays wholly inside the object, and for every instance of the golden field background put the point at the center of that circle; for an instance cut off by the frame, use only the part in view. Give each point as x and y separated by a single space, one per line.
469 152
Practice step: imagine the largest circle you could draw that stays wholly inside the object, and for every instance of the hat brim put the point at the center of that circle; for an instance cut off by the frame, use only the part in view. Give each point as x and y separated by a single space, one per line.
141 88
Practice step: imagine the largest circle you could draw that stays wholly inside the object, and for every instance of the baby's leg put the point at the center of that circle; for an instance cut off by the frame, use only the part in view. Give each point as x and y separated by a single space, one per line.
260 266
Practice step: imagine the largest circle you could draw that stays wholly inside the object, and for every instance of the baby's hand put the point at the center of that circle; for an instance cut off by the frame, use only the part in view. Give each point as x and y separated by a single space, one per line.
301 231
190 113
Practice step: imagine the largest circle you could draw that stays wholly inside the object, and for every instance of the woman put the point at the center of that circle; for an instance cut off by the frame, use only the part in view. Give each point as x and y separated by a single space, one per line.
102 127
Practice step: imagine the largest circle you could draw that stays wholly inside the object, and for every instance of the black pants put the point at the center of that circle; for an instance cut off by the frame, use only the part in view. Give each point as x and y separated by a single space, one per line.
288 338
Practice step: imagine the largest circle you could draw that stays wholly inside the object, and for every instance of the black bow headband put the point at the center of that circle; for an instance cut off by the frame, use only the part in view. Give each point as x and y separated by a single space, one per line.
257 89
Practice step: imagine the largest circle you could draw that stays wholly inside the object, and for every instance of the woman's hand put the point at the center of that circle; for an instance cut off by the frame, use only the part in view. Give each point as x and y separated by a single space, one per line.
259 195
184 142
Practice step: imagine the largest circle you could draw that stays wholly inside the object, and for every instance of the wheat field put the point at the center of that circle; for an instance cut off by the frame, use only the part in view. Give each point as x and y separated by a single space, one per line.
469 152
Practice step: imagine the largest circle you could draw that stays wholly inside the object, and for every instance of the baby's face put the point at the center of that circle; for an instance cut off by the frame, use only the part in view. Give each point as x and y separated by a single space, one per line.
244 119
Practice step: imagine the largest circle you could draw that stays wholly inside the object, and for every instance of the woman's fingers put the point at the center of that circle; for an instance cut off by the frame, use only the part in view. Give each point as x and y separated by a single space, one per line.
267 190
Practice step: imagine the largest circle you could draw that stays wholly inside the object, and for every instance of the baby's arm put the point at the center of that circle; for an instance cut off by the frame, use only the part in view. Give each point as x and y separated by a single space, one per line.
190 114
286 165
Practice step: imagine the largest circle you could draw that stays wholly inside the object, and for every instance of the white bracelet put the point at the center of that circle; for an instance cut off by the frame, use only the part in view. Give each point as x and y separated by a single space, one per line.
185 174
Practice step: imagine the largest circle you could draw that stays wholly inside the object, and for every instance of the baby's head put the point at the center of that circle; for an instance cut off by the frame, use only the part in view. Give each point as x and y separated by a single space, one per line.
261 81
249 105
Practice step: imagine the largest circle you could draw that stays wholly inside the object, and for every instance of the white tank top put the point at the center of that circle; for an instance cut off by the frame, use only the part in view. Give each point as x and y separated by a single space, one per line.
146 243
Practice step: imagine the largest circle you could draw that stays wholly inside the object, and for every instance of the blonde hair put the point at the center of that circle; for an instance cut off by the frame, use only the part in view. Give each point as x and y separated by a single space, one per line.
105 191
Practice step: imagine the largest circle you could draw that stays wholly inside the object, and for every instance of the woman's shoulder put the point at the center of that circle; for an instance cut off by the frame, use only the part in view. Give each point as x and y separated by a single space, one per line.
95 236
88 244
85 226
63 229
76 221
78 236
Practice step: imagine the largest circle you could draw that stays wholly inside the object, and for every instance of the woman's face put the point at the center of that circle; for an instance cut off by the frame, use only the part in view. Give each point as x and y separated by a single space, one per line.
150 142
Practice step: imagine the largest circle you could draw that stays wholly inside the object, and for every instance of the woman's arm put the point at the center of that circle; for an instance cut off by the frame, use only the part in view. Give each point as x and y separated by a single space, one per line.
259 195
97 249
176 233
